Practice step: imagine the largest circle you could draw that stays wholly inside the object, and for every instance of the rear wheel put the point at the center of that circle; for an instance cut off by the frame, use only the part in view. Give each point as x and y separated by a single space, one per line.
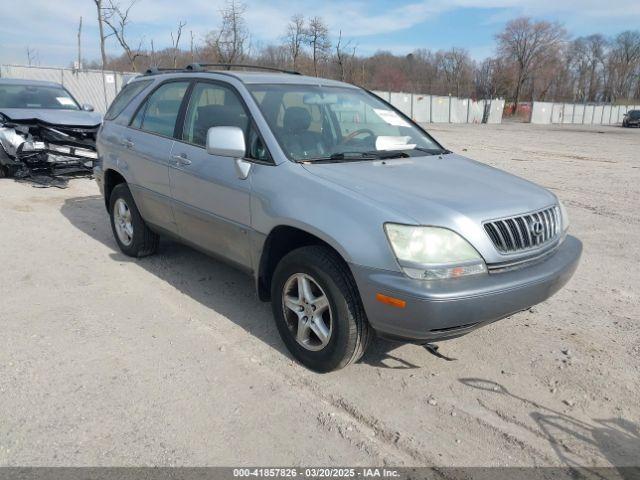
131 233
318 310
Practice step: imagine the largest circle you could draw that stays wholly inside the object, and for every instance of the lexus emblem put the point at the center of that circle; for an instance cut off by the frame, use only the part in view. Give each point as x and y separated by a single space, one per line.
536 228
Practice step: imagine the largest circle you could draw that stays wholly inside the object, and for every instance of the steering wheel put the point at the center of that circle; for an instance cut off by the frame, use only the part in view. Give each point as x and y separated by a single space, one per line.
355 133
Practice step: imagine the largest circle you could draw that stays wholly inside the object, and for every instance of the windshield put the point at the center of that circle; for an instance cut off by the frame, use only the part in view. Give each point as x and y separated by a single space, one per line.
634 114
314 123
36 96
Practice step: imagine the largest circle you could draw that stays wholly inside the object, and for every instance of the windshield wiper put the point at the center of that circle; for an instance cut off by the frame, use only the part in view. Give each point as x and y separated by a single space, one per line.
344 157
432 151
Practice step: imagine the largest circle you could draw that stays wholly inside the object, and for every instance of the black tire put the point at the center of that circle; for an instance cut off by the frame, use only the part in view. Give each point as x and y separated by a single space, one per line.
350 334
143 241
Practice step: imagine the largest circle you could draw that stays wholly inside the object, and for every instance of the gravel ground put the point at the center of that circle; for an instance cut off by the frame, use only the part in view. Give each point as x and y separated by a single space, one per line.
171 359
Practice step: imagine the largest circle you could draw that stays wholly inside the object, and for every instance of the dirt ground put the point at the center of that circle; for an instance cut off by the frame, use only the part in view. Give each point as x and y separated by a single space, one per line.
172 360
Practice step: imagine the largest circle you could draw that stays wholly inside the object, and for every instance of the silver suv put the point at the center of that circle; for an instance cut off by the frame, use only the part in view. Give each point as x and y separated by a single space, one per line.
351 218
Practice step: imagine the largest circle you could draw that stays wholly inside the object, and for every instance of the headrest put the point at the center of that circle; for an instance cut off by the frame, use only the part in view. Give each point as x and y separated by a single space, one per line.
296 119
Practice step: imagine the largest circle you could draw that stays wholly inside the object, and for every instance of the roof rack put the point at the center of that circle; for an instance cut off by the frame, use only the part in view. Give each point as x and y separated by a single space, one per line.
200 67
156 70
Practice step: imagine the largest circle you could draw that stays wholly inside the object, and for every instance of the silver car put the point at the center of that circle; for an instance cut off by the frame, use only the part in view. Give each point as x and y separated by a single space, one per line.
351 219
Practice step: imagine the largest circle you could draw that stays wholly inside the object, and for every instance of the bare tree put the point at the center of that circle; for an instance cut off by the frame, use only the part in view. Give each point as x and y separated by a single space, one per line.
345 53
117 19
454 63
31 56
229 42
625 63
103 53
175 42
527 45
295 37
317 37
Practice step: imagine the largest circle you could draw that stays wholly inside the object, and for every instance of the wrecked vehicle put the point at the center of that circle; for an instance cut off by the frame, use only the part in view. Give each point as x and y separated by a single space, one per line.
45 134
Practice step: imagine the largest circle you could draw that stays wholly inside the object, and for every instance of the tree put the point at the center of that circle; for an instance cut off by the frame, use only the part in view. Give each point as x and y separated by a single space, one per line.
175 42
117 19
103 53
295 37
528 45
625 63
344 56
230 40
317 37
455 64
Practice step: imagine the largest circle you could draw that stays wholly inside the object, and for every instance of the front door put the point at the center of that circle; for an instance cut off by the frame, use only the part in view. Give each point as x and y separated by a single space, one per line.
211 199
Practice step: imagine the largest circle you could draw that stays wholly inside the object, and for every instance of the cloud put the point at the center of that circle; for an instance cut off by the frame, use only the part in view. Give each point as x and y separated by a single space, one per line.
52 25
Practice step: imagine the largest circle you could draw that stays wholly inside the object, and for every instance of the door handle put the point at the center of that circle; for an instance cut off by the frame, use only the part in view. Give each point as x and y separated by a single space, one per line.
181 159
128 143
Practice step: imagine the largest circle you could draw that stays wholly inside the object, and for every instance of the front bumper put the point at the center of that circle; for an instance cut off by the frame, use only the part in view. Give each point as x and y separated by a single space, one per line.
451 308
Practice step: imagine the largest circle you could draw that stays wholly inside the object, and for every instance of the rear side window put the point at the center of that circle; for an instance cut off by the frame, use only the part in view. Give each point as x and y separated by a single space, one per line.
124 97
160 110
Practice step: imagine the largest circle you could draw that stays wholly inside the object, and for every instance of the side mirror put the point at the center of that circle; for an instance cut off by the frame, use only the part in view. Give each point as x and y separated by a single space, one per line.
87 108
226 142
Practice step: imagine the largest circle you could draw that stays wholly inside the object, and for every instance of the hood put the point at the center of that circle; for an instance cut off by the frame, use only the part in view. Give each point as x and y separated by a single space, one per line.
432 190
70 118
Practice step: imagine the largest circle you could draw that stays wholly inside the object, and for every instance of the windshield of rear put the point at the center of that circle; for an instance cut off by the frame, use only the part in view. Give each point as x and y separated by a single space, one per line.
36 96
314 122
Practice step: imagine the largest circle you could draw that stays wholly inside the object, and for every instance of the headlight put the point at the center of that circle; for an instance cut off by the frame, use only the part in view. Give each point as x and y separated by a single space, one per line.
430 253
565 217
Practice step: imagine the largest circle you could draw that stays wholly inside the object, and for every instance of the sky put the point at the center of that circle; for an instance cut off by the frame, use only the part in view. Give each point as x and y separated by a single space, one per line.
49 28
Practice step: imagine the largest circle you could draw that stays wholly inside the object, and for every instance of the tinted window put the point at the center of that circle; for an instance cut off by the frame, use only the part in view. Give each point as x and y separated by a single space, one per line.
160 111
36 96
214 105
127 94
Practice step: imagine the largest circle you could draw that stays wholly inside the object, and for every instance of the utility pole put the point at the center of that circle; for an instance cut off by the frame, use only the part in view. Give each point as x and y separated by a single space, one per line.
192 53
80 44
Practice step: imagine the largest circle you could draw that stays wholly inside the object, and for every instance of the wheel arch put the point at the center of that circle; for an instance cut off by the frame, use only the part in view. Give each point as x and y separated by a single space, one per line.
281 240
111 179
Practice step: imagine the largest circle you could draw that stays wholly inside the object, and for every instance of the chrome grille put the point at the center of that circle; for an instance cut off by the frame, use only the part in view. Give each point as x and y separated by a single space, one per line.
524 232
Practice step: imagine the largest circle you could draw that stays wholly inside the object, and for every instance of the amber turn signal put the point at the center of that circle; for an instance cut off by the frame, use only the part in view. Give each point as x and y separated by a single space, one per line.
394 302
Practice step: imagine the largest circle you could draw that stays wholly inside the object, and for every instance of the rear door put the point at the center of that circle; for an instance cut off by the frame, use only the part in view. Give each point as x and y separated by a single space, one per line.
148 141
211 199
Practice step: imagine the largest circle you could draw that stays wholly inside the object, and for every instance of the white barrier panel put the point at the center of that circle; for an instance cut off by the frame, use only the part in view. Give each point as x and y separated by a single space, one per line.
597 114
422 108
495 112
443 109
541 112
402 101
578 113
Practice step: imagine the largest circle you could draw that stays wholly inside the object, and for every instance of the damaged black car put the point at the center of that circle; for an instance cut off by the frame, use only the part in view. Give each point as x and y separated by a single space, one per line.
46 136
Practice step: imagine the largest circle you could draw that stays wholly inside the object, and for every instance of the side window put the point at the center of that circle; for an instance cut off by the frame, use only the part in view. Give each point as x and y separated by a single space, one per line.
214 105
127 94
160 111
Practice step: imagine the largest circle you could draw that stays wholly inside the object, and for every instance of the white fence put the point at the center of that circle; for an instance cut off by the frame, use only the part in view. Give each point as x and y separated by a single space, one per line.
579 113
444 109
94 87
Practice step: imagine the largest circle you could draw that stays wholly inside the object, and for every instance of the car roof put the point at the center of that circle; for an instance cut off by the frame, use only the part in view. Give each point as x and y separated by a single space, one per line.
24 81
251 77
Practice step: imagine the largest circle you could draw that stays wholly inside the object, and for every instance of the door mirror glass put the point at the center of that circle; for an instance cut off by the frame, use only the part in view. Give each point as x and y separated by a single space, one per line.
226 142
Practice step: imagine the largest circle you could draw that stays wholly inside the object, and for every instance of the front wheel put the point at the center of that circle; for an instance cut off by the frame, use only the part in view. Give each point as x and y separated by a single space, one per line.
131 233
318 310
